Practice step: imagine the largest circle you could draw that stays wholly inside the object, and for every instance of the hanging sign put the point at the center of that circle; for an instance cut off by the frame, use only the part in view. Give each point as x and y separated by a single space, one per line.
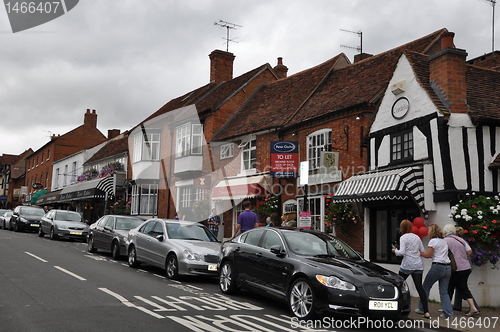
284 159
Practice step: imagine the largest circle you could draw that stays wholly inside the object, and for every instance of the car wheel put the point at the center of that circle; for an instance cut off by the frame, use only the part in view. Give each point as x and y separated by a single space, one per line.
172 267
227 279
115 250
40 232
301 299
132 257
52 234
90 245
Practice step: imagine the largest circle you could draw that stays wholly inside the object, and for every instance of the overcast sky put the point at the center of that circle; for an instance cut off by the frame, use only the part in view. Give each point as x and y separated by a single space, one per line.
126 58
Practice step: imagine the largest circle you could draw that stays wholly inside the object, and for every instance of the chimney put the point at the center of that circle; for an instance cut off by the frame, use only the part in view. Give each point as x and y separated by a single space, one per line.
112 133
448 74
221 66
280 69
361 56
90 119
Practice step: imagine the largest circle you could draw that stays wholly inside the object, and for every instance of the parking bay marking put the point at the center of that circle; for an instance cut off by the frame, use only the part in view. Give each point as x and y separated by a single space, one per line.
70 273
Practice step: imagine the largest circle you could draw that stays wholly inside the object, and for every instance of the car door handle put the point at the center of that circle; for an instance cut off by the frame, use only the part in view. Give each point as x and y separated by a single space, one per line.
259 254
237 249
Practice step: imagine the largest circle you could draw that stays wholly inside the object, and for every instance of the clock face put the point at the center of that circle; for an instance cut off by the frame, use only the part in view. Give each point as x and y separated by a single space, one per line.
400 108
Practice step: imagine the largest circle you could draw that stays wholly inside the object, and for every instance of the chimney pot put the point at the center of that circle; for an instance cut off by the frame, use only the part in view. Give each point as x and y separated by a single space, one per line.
447 40
280 61
281 70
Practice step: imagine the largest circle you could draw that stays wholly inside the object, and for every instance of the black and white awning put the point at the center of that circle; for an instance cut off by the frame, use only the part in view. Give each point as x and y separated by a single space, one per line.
394 184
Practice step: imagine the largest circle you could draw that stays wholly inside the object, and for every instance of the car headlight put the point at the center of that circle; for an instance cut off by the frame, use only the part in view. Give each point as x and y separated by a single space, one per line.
336 283
404 288
191 256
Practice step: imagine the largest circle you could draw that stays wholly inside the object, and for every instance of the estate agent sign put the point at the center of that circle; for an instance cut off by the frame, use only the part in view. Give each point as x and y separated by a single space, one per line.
284 159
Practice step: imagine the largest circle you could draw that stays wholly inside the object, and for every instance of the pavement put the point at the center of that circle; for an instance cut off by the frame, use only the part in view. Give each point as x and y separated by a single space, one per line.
488 320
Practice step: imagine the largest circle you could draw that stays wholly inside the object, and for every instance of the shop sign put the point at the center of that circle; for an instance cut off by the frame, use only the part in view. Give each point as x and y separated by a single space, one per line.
284 159
400 108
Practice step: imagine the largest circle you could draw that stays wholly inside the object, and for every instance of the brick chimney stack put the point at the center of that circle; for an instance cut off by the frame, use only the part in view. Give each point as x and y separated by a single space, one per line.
448 74
90 119
112 133
221 66
280 69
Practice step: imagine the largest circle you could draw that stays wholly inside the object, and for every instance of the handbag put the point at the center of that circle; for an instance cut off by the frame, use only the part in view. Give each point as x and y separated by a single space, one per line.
452 261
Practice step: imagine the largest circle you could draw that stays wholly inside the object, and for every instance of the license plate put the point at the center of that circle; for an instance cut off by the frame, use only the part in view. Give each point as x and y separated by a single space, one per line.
383 305
75 233
34 225
212 268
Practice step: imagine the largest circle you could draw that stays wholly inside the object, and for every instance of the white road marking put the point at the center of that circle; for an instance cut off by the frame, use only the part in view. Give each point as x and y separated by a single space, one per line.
70 273
129 304
40 259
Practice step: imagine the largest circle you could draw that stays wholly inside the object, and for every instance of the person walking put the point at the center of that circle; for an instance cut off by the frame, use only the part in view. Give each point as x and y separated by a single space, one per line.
410 247
247 219
459 278
440 270
214 222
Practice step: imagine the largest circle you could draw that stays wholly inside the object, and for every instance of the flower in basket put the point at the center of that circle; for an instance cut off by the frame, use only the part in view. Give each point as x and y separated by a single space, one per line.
478 215
89 174
265 207
339 215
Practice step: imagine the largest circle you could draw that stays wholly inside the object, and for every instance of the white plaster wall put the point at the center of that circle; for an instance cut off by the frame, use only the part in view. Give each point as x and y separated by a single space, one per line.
419 145
420 103
384 152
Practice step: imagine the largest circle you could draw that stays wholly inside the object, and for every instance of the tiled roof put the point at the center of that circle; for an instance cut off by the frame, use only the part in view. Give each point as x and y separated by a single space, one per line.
321 90
275 101
210 96
113 147
483 96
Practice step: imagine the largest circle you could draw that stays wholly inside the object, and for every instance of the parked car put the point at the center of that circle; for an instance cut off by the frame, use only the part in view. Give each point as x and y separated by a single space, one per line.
179 247
313 273
26 218
5 218
110 233
63 224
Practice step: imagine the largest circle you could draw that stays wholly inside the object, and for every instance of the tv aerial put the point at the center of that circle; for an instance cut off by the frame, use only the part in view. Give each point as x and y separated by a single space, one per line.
357 48
228 27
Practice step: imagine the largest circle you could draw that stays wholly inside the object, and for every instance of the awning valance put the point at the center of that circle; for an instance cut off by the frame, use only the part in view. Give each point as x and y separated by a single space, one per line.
395 184
89 189
49 198
36 195
241 188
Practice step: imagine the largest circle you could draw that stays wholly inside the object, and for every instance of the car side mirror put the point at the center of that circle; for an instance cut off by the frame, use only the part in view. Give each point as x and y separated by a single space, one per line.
277 250
160 238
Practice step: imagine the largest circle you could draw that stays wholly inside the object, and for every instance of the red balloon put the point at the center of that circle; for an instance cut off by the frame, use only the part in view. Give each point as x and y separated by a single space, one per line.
415 229
419 222
423 231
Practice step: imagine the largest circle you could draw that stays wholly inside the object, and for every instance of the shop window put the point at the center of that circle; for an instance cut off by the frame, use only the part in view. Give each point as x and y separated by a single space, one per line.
402 146
316 207
317 142
384 231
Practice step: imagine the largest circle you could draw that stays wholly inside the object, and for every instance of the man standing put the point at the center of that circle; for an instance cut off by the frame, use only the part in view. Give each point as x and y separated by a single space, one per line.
247 219
214 222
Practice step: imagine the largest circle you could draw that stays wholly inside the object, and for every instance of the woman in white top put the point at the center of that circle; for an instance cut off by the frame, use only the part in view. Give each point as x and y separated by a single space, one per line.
410 247
440 269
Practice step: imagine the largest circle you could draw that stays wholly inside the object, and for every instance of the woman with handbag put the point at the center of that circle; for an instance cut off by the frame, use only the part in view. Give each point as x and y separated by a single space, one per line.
440 270
459 278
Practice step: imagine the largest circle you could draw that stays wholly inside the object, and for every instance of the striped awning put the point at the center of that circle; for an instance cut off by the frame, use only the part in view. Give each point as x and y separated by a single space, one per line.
97 188
394 184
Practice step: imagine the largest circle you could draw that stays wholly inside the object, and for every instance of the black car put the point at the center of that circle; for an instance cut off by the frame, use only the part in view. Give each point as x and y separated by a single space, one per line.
313 272
110 232
26 218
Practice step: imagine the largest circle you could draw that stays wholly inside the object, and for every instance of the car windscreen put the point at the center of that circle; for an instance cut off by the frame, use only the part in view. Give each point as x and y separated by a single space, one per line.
32 212
68 216
309 244
127 224
189 232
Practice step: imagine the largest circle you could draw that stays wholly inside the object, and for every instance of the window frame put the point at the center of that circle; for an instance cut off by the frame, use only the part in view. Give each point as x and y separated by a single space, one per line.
318 141
147 150
249 148
189 138
226 151
405 153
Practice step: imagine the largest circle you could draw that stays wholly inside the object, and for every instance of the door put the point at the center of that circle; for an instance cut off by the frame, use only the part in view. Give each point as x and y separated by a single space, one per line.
108 233
247 257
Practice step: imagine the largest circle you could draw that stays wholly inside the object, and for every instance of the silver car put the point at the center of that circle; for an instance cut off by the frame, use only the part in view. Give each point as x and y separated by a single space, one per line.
5 218
63 224
110 233
179 247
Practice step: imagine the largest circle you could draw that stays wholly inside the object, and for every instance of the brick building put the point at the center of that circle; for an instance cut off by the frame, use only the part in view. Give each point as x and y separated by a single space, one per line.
39 163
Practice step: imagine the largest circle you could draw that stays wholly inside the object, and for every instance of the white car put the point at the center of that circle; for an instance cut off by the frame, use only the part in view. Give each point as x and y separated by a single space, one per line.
179 247
5 219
